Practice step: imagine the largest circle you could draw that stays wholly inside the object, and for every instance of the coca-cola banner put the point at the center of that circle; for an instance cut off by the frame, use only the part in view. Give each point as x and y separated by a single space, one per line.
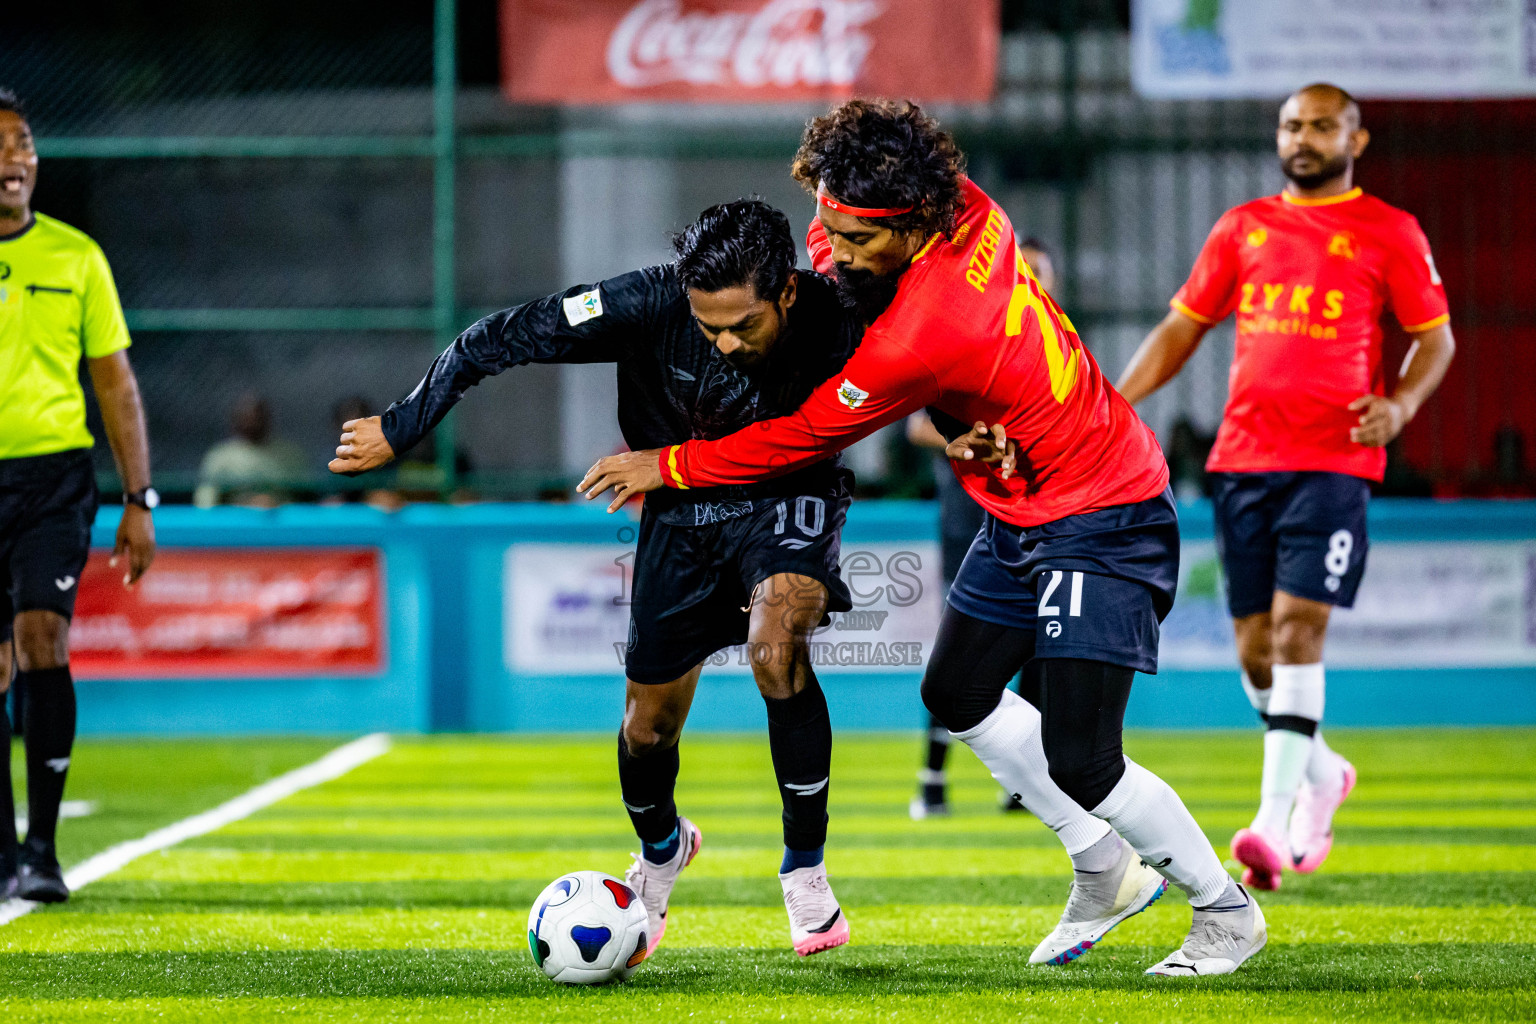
615 51
231 612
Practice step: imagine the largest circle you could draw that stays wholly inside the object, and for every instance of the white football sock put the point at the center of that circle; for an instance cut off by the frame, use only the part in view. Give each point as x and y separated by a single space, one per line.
1150 816
1323 765
1008 743
1297 693
1257 697
1297 690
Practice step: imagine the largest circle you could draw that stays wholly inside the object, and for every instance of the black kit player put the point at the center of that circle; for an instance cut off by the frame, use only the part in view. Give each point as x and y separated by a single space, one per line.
726 335
57 305
1078 560
1308 273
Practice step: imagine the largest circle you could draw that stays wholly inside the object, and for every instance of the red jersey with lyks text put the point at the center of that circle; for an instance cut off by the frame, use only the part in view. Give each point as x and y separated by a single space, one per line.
1309 280
972 333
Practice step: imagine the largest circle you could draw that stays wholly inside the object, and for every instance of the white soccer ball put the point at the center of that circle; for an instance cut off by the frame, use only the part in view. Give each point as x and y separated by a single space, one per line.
587 928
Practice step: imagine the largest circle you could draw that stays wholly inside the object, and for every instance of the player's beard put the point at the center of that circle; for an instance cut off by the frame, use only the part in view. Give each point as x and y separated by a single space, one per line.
865 292
1327 168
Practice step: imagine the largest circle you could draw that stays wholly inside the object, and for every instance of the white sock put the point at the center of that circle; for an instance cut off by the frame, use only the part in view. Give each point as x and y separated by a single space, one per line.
1257 697
1150 816
1297 693
1008 743
1323 767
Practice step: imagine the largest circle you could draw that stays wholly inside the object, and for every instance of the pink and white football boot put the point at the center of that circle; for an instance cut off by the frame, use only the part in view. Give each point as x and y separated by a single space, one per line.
1262 856
1312 820
653 882
816 922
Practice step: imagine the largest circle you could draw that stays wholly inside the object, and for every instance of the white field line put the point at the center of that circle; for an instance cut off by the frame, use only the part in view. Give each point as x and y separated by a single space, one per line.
332 766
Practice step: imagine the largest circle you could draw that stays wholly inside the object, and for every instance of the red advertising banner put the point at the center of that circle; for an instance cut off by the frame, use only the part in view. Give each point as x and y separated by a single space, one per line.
211 612
752 51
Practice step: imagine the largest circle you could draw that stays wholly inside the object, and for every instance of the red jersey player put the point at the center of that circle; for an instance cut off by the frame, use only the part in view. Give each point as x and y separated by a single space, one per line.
1077 562
1308 273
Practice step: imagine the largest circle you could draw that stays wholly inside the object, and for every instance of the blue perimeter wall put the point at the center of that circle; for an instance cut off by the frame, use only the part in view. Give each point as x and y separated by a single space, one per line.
445 670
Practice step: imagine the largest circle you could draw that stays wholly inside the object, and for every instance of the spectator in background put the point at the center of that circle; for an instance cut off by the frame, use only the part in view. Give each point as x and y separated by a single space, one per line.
253 467
960 519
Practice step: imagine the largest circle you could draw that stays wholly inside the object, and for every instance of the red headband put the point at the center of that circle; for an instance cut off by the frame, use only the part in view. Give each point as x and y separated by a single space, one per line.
858 211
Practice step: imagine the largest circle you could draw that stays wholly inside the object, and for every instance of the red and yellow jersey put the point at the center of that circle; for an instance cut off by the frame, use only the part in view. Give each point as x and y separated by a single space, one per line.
972 333
1308 280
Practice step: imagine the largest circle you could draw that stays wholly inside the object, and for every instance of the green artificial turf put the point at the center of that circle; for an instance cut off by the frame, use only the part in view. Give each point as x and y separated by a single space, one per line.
400 891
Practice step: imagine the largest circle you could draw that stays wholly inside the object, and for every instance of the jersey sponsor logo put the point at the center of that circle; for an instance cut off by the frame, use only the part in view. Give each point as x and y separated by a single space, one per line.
1257 237
1299 301
851 394
581 308
64 583
1344 244
979 272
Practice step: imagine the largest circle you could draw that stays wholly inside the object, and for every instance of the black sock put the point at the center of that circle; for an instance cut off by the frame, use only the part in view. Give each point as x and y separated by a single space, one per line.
7 799
800 740
50 729
932 775
647 784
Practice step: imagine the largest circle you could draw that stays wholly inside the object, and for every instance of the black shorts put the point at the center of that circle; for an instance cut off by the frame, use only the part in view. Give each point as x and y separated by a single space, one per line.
1102 581
693 583
1303 533
47 505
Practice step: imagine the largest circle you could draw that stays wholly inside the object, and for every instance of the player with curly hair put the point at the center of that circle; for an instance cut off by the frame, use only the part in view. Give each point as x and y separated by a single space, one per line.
1077 562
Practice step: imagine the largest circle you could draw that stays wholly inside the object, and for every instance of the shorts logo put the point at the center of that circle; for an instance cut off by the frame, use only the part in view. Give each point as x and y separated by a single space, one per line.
851 395
581 308
1257 237
65 583
1053 628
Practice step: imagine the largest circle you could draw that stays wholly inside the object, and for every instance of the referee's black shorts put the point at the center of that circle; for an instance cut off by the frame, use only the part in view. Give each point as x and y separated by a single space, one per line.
47 505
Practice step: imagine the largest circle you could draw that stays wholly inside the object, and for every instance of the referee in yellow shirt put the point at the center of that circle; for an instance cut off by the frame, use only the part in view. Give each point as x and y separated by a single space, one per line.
57 304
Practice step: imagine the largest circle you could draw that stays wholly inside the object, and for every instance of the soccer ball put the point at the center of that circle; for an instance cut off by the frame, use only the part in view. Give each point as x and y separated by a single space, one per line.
587 928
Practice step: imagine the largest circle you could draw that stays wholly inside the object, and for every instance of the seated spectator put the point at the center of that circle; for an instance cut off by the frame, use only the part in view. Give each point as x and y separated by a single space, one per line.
251 468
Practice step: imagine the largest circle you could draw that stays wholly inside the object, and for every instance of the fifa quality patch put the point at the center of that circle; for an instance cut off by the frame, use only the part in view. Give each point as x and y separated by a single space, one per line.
850 395
581 308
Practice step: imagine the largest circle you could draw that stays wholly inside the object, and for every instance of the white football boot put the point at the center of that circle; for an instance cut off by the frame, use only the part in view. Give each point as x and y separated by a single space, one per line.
1219 941
1311 831
816 922
1100 901
653 882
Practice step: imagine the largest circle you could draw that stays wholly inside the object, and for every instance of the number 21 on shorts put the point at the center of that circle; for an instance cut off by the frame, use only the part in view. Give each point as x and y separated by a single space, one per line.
1074 600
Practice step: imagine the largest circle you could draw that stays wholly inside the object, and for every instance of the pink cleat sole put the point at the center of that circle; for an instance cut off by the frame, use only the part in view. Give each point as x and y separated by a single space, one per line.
819 942
1260 858
1314 858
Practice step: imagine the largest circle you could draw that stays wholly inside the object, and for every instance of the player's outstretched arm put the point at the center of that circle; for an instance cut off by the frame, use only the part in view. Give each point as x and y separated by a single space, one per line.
1382 418
122 412
363 447
1161 356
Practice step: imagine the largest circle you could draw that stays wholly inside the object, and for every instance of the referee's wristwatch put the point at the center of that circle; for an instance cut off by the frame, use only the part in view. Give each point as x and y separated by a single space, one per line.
146 498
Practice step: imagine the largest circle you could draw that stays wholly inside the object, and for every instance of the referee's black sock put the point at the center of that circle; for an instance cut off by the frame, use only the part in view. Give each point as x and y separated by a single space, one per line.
647 785
800 740
7 799
50 735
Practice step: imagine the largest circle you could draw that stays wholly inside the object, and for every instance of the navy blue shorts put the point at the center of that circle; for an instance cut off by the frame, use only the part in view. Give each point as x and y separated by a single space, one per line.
47 505
1303 533
1102 581
693 583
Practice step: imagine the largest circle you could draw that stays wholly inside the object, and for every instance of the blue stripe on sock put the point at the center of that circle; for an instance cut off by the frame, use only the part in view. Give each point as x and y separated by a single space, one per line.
660 853
801 859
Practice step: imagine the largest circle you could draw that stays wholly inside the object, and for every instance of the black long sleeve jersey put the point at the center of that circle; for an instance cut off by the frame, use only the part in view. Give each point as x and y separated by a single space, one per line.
674 385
